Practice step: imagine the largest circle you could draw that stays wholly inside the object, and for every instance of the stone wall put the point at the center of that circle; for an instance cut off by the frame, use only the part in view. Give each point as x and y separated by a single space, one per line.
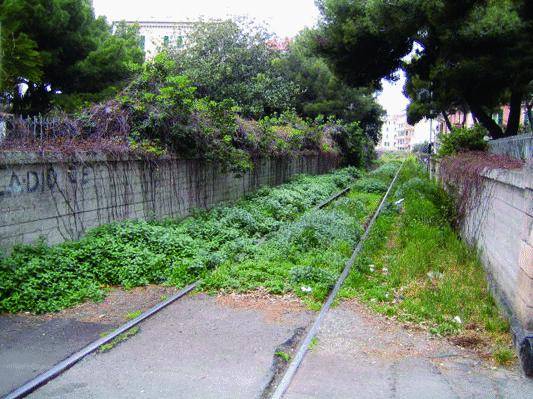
60 200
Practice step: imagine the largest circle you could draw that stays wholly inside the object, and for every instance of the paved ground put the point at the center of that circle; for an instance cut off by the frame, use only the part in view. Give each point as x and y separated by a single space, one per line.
198 347
30 345
223 347
360 355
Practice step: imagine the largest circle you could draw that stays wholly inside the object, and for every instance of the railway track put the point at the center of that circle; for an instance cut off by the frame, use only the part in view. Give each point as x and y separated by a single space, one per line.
297 360
47 376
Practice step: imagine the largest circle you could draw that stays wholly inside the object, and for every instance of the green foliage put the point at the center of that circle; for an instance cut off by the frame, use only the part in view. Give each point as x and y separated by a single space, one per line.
356 147
414 266
43 279
305 256
165 112
370 185
286 357
463 139
59 45
235 60
121 338
504 356
322 93
386 171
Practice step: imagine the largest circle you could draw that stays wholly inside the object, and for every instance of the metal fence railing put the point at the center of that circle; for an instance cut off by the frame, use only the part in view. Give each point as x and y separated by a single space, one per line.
520 146
36 128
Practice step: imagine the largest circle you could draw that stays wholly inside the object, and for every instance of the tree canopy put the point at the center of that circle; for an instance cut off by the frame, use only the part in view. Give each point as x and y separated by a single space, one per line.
322 93
237 60
56 46
473 54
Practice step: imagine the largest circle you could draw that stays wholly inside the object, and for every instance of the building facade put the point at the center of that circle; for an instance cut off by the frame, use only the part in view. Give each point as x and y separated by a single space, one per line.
157 34
396 134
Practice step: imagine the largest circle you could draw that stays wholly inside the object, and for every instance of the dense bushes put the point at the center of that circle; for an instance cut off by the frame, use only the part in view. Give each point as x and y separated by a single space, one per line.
236 60
232 93
162 113
463 139
41 279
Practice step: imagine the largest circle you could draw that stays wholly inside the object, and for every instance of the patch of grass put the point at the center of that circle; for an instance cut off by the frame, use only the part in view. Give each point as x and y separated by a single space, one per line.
121 338
414 267
133 315
504 356
314 342
283 355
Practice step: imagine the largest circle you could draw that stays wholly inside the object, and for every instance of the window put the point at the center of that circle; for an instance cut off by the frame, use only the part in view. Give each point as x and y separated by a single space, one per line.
165 41
142 42
179 41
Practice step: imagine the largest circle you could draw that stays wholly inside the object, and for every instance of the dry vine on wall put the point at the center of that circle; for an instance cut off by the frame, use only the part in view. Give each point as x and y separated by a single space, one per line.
463 176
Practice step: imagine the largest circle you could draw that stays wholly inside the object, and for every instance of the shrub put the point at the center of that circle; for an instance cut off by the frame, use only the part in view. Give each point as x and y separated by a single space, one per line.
311 274
370 185
463 139
385 171
318 229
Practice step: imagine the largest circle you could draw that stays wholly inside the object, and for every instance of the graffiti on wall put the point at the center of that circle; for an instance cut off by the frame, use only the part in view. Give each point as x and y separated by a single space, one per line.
47 179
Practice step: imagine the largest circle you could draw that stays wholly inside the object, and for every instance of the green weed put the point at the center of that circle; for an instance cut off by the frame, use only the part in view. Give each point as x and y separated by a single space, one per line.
121 338
39 278
133 315
283 355
414 266
504 356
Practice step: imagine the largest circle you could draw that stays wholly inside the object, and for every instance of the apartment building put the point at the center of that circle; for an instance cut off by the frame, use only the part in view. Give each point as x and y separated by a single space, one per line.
158 34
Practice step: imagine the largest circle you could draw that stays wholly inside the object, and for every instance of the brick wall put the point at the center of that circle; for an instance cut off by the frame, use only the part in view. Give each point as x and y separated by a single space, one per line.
60 200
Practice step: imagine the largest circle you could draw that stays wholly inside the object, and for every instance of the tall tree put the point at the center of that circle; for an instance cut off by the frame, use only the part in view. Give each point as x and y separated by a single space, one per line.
473 53
237 60
322 93
67 51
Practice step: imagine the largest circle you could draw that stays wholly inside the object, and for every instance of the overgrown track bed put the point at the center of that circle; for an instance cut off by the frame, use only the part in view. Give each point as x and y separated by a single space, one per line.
40 279
307 342
55 371
321 237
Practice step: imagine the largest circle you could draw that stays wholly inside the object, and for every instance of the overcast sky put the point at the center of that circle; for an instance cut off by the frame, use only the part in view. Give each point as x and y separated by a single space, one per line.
284 17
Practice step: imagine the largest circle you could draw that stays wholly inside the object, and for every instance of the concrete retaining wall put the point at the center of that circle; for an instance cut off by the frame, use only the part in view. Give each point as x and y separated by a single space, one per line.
501 227
60 200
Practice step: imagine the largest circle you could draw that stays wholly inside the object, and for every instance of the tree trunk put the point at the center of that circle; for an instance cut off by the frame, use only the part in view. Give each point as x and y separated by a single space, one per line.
447 121
513 122
495 131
